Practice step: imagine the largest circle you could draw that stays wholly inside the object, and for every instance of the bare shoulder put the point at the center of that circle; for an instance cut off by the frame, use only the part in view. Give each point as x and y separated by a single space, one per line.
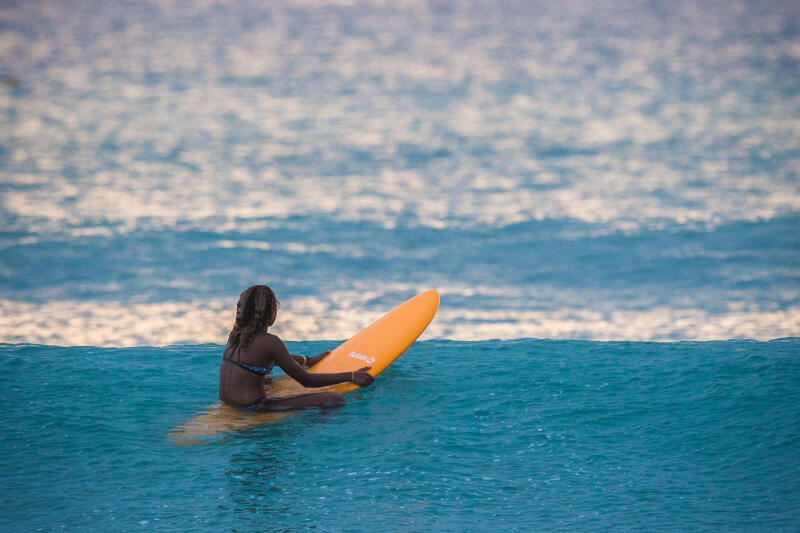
273 339
269 342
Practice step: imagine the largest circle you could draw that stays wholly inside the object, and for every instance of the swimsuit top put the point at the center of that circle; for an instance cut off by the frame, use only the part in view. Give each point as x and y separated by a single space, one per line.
259 370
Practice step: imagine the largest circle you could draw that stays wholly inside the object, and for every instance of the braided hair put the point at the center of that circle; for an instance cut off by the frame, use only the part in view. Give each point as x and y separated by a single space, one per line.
256 311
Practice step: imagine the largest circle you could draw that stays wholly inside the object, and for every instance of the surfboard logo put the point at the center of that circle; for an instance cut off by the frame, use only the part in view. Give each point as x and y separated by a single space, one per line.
361 357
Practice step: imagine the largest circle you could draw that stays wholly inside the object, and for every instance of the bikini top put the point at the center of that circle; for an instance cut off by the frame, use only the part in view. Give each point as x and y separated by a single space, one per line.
258 370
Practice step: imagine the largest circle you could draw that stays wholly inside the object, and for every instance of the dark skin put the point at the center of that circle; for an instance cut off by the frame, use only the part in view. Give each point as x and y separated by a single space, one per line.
240 387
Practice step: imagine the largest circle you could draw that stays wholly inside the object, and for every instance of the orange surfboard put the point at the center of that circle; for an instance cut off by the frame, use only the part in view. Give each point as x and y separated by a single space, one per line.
377 346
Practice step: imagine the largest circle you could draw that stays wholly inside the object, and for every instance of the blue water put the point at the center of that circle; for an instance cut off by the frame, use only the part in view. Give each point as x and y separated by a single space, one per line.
622 178
456 436
592 170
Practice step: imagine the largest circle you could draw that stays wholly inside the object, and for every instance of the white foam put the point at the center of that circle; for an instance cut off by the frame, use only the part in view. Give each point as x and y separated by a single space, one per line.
118 323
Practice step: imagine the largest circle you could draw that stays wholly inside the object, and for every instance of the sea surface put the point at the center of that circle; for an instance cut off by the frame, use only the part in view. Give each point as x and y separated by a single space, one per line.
518 435
604 170
606 195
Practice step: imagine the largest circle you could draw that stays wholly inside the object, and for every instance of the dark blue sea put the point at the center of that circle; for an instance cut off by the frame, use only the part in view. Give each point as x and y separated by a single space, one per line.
605 194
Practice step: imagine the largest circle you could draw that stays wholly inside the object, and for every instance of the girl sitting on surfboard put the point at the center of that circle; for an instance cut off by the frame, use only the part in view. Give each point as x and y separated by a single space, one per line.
251 353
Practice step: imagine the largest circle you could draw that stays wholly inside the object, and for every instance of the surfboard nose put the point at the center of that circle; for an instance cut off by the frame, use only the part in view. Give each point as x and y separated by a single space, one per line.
431 295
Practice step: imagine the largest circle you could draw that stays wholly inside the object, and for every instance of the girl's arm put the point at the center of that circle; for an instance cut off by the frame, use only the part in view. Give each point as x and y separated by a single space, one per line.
294 370
304 361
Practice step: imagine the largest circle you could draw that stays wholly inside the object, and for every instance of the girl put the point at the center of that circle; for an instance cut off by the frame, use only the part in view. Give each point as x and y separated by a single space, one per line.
251 353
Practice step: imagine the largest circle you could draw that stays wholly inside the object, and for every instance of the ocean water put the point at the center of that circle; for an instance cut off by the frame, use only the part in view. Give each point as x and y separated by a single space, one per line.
618 179
518 435
587 170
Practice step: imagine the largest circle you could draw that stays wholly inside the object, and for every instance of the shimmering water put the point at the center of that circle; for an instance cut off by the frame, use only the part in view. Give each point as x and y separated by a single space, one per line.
456 436
594 170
